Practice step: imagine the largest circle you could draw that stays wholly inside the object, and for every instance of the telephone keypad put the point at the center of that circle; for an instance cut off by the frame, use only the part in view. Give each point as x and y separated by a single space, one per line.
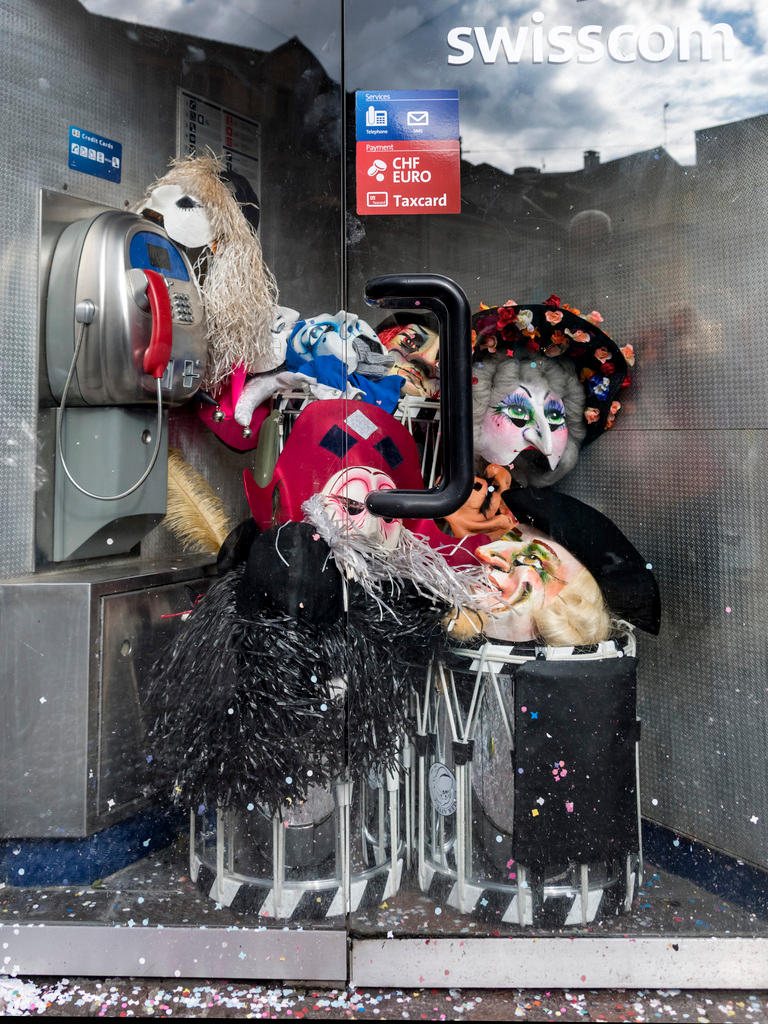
182 308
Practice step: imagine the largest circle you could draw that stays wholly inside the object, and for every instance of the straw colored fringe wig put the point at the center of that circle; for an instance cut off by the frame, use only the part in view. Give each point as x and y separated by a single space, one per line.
238 289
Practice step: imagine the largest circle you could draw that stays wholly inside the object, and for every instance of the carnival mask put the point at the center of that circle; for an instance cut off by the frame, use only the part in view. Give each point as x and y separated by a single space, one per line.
182 215
346 492
416 350
526 571
531 417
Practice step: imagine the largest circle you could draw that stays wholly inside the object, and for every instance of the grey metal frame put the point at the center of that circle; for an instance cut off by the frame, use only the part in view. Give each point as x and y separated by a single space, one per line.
561 963
73 650
320 957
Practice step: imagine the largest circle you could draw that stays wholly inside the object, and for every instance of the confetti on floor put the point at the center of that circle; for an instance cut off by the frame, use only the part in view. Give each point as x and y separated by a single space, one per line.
157 892
132 997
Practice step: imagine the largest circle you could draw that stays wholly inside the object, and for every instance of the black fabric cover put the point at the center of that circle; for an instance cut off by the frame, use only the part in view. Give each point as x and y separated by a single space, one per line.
290 569
583 714
237 546
629 588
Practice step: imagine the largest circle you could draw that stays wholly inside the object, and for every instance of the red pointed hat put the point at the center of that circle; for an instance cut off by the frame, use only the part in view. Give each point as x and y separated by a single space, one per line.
329 436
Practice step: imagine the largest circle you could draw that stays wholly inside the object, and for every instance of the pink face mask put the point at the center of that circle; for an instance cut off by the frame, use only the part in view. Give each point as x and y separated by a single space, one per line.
530 417
346 492
526 571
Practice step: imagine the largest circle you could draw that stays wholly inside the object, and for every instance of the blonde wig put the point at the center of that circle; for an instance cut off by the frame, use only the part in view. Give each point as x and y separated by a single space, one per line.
577 615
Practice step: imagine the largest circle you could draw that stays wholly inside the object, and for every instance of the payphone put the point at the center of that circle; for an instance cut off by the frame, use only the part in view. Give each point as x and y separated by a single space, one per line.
125 336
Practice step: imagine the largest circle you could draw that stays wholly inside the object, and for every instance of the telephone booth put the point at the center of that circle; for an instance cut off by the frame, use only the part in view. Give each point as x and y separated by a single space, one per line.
280 283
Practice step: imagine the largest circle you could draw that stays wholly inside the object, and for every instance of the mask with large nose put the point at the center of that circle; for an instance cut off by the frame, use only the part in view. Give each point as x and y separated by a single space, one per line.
528 417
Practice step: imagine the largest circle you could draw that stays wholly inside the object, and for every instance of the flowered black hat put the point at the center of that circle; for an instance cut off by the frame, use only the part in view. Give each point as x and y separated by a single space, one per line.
554 329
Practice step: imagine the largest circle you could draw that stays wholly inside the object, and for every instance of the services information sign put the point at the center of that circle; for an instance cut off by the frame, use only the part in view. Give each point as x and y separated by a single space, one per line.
408 154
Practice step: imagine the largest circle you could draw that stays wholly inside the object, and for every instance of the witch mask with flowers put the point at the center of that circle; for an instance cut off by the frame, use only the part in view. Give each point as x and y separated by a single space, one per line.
546 382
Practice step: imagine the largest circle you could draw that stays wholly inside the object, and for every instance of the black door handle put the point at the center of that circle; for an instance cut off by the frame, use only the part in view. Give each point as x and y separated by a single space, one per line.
447 301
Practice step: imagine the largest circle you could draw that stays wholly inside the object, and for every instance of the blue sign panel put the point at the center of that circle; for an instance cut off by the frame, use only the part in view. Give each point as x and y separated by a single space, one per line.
418 114
94 154
150 251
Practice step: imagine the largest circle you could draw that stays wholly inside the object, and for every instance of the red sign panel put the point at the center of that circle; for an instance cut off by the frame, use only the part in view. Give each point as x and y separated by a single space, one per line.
413 176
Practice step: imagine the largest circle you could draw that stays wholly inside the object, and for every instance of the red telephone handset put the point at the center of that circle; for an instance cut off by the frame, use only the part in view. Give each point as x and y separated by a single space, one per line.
159 352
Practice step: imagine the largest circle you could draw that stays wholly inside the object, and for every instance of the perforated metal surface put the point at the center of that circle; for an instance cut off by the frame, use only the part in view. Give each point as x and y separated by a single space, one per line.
684 474
694 503
56 63
62 67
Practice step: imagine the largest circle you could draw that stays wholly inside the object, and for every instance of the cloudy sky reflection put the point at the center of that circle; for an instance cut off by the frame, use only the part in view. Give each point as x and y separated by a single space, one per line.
585 93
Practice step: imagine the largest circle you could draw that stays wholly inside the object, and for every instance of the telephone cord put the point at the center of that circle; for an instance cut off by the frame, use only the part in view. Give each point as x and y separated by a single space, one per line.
60 419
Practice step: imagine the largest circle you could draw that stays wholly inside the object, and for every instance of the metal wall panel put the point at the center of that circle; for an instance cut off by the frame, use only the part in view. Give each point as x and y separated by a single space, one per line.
694 504
56 63
62 67
76 649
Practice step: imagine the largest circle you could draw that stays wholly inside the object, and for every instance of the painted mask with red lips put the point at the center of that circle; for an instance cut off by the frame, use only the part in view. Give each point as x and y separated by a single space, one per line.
346 492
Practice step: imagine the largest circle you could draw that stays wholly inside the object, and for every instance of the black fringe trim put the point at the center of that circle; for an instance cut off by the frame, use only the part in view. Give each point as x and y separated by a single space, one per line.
248 708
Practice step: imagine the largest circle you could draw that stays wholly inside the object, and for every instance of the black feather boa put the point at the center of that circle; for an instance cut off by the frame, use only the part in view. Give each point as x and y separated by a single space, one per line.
250 708
383 649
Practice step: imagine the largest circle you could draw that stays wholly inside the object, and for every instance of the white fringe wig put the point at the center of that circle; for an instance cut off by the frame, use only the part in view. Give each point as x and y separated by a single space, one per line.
498 375
238 289
366 562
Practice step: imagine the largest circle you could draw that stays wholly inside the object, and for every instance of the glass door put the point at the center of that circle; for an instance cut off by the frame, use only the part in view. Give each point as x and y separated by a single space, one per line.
284 663
182 174
578 757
